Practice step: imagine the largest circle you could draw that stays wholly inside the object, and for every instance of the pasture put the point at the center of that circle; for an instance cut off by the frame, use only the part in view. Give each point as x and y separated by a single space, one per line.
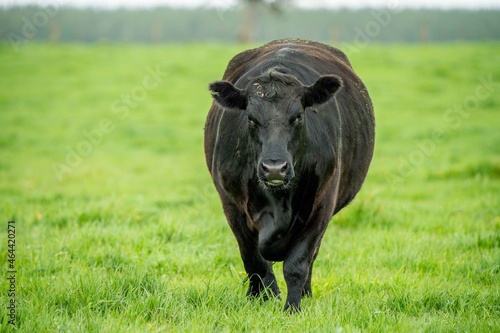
119 228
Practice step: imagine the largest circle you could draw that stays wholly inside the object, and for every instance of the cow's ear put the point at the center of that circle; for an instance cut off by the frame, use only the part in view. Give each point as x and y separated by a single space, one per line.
322 90
228 95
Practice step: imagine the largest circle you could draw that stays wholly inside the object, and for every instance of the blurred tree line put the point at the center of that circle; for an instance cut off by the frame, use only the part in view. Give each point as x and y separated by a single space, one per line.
158 25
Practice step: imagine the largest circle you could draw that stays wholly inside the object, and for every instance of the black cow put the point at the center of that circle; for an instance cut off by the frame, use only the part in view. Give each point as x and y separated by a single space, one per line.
288 142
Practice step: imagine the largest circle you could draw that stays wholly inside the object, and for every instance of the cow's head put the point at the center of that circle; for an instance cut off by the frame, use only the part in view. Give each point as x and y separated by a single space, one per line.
275 105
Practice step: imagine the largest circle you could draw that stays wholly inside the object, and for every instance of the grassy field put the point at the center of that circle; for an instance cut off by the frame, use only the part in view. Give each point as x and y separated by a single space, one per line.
119 229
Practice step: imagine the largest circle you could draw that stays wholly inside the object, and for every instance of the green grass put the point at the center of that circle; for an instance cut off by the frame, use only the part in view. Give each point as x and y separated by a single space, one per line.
131 237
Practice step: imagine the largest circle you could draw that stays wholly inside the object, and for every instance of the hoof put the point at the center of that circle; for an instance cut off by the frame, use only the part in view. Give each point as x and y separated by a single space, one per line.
292 308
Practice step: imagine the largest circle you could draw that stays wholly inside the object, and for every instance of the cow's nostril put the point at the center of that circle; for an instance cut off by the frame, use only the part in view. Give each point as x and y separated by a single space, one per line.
274 170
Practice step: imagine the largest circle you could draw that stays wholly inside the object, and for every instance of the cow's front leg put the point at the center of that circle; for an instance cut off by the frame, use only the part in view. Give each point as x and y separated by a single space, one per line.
297 266
259 271
263 284
296 270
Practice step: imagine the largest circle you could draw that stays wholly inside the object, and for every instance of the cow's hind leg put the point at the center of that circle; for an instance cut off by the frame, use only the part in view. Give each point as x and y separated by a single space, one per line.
307 289
259 271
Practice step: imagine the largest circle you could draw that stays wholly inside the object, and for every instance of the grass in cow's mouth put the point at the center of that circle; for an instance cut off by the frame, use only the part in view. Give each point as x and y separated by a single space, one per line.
131 237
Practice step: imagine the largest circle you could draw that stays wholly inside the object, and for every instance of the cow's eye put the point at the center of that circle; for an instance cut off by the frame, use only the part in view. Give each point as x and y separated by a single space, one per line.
251 121
297 119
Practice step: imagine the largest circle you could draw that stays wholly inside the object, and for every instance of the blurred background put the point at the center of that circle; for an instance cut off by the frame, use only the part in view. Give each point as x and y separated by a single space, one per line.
157 21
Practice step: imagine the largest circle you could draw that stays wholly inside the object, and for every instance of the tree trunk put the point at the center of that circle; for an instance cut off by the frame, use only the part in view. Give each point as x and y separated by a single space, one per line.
249 23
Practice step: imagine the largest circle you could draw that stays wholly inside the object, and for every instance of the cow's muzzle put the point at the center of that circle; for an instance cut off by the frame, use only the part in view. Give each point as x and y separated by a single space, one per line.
275 173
